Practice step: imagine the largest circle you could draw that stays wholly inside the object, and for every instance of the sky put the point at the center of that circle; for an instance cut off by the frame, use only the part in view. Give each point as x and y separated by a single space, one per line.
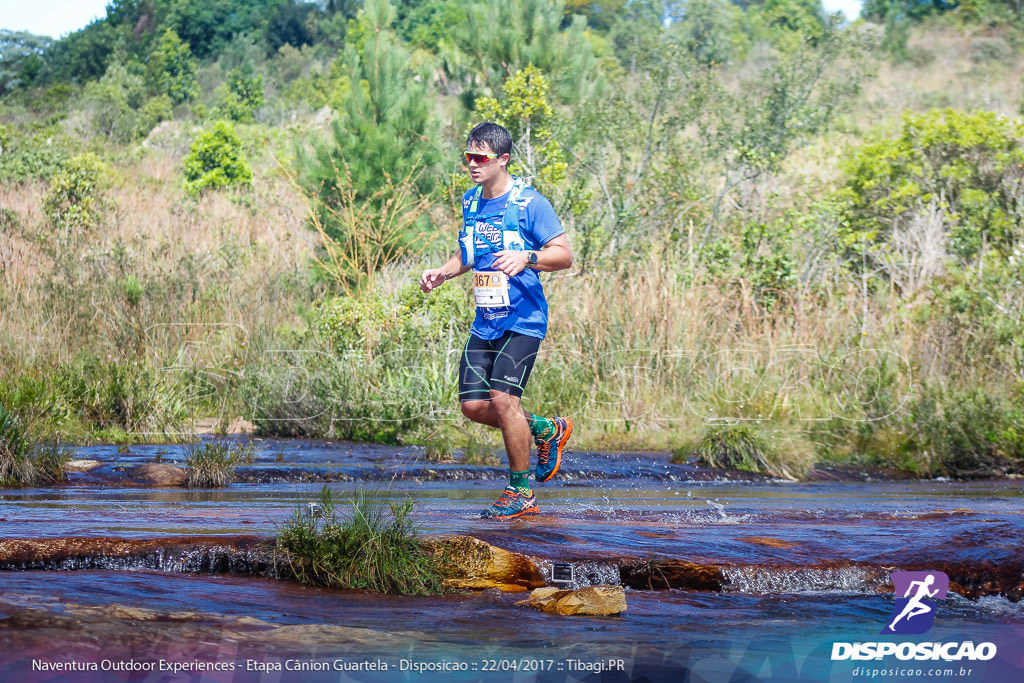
57 18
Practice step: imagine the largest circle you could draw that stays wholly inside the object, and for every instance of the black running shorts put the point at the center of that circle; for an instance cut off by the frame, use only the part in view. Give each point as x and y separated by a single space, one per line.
501 364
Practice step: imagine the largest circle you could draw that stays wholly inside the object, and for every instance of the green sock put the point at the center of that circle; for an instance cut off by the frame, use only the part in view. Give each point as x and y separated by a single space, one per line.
541 427
520 480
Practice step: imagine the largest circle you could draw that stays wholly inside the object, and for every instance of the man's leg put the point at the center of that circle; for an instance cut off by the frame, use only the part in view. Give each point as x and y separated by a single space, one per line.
491 382
483 412
515 431
511 371
503 366
517 498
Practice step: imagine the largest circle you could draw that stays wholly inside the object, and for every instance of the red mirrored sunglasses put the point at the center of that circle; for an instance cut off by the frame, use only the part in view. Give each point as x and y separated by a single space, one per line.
478 158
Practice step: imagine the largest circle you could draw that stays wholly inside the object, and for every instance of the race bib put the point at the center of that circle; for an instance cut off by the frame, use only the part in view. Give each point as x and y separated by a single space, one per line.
490 289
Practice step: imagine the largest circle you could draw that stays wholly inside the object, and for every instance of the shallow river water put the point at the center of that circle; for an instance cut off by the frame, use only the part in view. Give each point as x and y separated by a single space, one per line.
805 566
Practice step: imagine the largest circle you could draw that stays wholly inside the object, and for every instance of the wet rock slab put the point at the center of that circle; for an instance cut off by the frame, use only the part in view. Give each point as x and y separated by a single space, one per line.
589 601
472 563
90 633
246 555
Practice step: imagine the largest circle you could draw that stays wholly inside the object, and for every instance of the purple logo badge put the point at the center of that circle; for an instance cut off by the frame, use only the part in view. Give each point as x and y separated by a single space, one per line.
917 594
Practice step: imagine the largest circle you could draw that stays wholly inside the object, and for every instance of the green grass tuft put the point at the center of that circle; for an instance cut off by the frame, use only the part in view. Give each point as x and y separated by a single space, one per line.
374 547
731 446
212 464
23 461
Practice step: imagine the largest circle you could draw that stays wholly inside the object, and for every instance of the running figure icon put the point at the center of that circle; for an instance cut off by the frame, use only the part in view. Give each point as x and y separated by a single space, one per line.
915 607
919 592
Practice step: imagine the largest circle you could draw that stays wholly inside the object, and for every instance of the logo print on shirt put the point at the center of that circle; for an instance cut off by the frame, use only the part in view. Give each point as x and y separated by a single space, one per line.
489 231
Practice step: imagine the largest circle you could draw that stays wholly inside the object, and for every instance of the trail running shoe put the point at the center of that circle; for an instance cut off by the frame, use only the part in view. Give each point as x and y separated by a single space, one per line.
512 503
548 462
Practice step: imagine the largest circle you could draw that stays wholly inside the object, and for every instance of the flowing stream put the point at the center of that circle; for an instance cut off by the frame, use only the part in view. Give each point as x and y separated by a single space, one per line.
794 567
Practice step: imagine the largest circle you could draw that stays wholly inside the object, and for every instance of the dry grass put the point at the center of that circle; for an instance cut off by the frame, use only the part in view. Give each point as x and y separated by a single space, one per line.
662 359
940 73
240 249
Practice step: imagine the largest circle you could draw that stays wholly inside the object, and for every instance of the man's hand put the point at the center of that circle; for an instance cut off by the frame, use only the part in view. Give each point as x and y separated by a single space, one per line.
511 262
434 277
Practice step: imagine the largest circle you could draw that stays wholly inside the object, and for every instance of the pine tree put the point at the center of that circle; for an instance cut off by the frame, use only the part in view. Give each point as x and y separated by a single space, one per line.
381 148
502 38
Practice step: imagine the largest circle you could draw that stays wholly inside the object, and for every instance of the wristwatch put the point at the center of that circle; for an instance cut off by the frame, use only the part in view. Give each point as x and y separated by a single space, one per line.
532 259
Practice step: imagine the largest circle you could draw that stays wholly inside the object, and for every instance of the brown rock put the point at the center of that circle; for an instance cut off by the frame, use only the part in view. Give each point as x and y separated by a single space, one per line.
545 598
471 563
157 475
52 553
590 601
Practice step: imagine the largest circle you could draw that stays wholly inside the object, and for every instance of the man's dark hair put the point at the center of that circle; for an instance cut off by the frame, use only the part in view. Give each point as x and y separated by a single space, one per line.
494 136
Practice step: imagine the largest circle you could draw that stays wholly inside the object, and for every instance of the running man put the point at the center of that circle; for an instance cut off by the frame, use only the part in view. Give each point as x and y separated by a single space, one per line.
510 232
915 606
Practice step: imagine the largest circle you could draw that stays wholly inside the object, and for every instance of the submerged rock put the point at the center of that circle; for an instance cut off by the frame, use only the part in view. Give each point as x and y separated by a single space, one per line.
471 563
589 601
157 475
767 541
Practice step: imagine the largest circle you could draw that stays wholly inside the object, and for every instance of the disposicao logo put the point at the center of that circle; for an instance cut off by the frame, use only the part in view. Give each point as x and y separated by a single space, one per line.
917 595
914 612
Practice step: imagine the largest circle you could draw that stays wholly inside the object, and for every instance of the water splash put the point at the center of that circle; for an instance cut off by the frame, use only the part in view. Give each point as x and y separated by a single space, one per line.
584 573
202 559
723 516
765 580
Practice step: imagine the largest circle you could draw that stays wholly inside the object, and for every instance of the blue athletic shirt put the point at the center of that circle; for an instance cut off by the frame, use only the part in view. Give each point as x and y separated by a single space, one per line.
538 224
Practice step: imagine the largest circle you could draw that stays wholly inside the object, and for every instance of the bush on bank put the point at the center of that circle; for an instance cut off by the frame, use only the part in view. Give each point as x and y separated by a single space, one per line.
376 367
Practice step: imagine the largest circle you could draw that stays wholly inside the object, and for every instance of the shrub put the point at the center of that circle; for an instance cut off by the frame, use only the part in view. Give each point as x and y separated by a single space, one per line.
216 160
990 49
154 110
15 465
24 158
212 464
49 460
970 433
969 163
112 103
732 446
374 548
239 96
125 397
375 320
172 70
385 369
75 200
